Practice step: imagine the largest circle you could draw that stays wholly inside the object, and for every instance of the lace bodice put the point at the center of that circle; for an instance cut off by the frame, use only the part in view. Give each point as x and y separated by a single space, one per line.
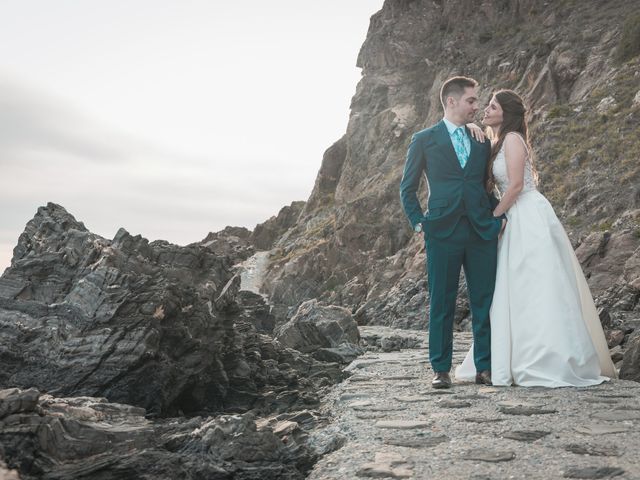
500 172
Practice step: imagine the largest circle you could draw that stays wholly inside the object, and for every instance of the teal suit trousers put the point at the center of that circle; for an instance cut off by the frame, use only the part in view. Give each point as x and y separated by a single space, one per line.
463 249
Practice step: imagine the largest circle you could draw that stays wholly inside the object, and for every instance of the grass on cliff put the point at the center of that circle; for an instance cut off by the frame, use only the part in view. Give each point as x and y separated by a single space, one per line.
629 45
589 141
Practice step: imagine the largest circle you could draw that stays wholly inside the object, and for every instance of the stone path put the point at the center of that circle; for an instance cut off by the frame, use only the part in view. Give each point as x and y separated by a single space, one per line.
397 426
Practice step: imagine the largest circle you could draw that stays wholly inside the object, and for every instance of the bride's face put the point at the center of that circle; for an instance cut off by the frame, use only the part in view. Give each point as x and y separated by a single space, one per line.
492 114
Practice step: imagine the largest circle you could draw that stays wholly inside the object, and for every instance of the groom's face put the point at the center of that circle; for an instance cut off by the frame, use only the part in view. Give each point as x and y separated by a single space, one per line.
467 106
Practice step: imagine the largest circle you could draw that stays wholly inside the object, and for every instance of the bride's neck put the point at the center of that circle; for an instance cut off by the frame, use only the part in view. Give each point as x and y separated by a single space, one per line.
495 134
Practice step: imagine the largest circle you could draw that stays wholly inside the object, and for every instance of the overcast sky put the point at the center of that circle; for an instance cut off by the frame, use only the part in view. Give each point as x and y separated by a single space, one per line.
170 118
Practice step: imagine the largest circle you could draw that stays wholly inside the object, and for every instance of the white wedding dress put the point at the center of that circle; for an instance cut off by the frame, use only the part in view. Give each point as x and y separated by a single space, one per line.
545 330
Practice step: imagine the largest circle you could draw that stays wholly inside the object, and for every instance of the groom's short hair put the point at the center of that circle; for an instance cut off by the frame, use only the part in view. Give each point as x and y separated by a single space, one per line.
454 87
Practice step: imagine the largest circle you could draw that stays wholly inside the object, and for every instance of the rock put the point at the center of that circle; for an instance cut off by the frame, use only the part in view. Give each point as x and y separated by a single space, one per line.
17 401
601 429
379 408
389 340
600 400
471 396
412 399
483 419
596 451
486 455
316 326
488 390
370 415
326 440
616 395
593 472
387 465
361 403
394 378
453 404
616 415
418 442
87 437
631 271
265 234
606 104
523 408
616 354
255 310
614 338
631 361
605 316
232 242
154 325
526 435
402 424
344 353
603 256
328 175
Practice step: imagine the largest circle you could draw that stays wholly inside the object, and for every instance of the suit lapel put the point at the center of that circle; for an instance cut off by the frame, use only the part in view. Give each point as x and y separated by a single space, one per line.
444 141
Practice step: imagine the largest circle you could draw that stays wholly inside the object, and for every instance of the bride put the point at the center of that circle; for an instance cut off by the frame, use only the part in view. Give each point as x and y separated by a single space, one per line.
545 330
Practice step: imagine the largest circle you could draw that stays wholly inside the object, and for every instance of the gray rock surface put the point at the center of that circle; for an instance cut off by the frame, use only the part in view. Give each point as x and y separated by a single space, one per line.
391 417
319 327
630 369
90 438
148 324
389 339
265 234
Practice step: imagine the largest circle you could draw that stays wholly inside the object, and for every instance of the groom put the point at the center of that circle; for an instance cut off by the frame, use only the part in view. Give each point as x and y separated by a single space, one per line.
459 228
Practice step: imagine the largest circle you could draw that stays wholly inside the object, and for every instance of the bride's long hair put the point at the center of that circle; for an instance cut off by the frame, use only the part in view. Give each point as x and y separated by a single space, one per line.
513 120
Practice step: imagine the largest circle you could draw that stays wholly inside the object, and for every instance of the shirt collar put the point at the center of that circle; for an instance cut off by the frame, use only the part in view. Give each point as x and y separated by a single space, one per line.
451 127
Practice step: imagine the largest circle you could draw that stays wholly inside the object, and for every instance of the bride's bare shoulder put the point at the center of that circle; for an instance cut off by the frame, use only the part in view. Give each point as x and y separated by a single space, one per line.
514 142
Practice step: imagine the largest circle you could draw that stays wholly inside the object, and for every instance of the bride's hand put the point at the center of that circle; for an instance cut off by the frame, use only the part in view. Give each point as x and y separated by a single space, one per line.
476 132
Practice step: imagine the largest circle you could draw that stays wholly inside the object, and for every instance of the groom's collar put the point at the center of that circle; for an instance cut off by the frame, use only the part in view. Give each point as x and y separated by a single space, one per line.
451 127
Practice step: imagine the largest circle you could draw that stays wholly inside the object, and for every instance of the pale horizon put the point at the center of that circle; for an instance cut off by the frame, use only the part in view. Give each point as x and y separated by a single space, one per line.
170 119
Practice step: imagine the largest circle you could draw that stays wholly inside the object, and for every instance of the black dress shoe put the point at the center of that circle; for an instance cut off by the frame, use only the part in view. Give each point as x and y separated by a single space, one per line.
484 377
441 380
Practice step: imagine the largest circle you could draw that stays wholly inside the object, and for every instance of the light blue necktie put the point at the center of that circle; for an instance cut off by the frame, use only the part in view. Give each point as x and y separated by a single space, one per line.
459 146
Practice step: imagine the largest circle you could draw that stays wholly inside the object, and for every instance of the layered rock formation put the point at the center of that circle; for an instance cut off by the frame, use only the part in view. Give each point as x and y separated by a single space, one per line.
90 438
578 68
153 325
327 332
107 339
266 233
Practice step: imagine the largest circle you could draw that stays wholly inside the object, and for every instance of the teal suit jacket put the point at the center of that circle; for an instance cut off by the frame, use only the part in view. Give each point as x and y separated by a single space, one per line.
453 191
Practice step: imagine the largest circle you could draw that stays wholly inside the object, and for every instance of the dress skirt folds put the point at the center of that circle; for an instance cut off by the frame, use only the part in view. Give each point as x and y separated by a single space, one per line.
545 330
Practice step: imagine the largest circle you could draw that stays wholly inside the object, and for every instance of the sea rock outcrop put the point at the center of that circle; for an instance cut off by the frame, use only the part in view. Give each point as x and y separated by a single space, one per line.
90 438
266 233
327 332
153 325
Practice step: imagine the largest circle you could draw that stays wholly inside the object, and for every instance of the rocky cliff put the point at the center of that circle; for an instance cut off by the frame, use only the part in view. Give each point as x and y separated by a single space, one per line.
577 65
122 333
